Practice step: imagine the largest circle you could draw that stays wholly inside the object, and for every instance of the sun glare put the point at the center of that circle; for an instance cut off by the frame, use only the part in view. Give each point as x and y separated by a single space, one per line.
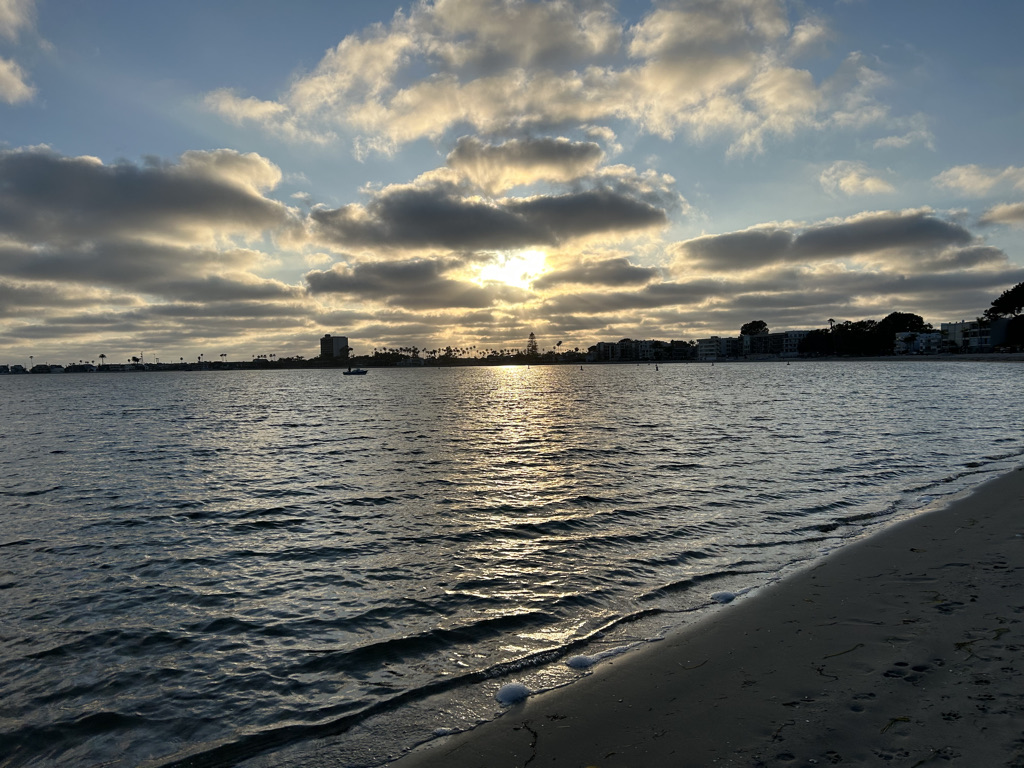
517 269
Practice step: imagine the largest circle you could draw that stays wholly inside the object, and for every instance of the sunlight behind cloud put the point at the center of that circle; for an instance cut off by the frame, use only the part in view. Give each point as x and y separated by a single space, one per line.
517 269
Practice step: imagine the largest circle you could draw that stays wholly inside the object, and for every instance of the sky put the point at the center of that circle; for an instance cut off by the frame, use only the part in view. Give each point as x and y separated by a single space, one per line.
240 177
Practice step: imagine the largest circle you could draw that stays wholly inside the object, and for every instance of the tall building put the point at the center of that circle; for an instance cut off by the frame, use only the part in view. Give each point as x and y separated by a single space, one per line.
333 346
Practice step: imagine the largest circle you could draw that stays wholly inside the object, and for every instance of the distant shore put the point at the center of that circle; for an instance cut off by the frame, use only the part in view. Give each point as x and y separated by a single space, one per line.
987 357
902 648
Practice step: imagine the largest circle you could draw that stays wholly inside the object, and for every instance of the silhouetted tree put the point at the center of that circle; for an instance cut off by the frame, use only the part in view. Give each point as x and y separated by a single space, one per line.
1009 303
754 328
816 343
531 346
1015 332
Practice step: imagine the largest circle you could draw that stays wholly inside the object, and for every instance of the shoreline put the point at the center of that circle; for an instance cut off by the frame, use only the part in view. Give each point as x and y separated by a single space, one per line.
906 646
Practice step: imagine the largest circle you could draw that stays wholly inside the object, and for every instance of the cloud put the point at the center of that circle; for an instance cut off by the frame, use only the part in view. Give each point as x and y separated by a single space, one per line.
16 15
51 200
498 168
903 237
495 34
274 117
508 67
852 90
808 35
785 297
14 87
20 297
853 179
613 272
1005 213
425 215
905 140
977 181
133 252
415 283
437 211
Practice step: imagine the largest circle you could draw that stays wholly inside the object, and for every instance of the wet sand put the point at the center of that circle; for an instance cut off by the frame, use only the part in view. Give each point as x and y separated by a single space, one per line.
903 649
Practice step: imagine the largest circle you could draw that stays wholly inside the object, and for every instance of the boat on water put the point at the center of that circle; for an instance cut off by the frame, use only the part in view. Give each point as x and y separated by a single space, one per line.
354 372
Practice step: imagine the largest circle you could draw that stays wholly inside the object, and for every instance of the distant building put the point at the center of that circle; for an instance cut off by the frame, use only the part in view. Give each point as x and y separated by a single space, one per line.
625 350
719 348
709 349
972 336
911 343
334 346
791 344
967 336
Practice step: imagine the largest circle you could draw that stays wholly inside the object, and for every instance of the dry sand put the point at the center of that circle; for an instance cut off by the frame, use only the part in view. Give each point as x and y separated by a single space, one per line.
904 649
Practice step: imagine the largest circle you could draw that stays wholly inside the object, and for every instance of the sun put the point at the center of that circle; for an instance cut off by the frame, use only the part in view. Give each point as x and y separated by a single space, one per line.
518 268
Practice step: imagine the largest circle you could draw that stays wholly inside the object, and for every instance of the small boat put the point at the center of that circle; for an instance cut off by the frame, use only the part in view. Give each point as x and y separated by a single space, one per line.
354 372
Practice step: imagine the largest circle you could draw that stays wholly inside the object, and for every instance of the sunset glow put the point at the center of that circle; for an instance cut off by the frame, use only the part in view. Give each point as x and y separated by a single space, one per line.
516 269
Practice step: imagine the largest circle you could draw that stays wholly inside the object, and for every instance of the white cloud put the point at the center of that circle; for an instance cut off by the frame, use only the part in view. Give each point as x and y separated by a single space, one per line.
978 181
493 32
16 15
905 140
853 89
274 117
1011 214
509 67
851 178
13 86
808 35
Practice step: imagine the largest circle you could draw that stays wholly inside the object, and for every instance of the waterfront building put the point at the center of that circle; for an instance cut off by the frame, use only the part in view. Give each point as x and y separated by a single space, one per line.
791 343
911 343
622 351
719 348
967 336
334 346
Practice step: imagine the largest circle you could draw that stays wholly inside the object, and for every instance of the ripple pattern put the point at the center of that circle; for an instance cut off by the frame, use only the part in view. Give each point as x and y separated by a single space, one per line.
204 568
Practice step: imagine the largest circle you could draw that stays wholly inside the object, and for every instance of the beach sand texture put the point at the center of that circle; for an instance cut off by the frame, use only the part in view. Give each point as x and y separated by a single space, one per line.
903 649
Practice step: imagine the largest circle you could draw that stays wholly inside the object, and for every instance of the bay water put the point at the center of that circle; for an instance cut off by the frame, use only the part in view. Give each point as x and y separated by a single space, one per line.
297 567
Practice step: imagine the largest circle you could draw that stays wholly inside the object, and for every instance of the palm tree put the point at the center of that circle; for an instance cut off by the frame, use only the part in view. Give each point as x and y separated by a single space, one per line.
103 359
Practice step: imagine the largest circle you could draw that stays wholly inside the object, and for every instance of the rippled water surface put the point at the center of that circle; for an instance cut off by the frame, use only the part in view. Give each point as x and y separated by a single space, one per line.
229 565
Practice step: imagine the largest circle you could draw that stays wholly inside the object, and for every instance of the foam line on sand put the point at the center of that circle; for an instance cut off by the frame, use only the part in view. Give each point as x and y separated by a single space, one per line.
902 649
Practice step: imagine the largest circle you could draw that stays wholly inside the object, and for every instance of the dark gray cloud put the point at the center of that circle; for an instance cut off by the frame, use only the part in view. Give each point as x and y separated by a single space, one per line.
615 272
590 212
739 250
16 297
52 199
165 330
167 271
427 218
914 232
439 214
498 167
903 236
794 294
416 283
223 289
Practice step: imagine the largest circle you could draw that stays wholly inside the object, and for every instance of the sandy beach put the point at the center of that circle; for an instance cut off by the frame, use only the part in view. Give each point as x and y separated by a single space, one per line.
902 649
